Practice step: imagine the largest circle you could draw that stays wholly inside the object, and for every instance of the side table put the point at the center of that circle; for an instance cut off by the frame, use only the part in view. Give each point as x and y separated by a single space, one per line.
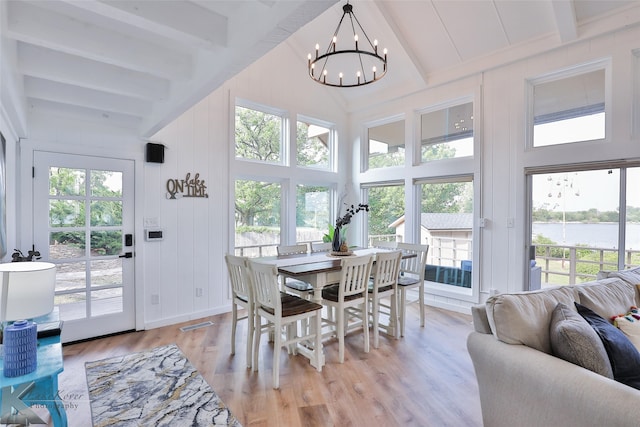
39 387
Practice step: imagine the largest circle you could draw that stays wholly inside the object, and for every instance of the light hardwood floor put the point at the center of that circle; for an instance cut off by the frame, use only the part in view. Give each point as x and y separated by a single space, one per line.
424 379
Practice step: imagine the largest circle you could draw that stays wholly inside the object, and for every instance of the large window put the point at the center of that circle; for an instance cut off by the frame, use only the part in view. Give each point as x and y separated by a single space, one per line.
287 198
257 218
385 145
386 212
447 133
568 109
577 224
312 212
259 135
446 225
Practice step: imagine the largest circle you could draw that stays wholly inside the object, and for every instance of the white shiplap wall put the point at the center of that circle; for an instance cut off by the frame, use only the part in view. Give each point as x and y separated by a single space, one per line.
199 231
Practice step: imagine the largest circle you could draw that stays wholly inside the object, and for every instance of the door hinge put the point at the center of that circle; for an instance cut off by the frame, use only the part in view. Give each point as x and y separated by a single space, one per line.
33 171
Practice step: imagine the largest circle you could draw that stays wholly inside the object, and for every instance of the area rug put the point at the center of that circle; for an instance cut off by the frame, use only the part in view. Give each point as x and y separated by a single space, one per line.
158 387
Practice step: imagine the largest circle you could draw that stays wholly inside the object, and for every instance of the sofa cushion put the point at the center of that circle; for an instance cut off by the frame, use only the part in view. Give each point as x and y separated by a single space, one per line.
629 324
631 275
607 297
523 318
574 340
624 358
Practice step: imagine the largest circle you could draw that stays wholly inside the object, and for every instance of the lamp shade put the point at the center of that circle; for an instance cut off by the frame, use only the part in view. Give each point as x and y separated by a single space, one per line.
27 290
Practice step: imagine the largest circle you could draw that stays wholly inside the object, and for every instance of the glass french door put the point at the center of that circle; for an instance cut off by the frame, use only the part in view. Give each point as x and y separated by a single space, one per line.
83 223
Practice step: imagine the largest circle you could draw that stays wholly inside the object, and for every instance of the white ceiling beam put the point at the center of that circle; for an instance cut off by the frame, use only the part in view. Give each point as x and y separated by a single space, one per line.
270 27
399 34
53 109
36 88
52 65
565 16
31 24
185 22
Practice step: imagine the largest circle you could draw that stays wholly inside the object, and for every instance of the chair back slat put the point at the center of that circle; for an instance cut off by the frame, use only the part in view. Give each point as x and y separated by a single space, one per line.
292 249
355 275
239 275
265 286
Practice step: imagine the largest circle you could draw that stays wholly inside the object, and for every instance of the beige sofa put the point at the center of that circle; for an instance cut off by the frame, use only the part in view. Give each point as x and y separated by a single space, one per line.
522 383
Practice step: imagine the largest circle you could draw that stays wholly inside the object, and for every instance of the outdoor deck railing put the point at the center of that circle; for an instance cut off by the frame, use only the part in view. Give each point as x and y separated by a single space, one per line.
563 264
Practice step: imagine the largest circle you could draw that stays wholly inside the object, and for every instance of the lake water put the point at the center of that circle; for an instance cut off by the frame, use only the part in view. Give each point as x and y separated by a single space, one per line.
602 235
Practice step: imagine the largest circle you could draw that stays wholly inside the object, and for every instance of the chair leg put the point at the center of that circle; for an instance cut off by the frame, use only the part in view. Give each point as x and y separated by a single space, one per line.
250 333
340 332
317 350
421 298
376 321
394 321
256 341
277 348
365 325
234 322
403 310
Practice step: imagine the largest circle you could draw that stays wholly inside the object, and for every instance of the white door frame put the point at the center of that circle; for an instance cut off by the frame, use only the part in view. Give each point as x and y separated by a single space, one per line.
24 221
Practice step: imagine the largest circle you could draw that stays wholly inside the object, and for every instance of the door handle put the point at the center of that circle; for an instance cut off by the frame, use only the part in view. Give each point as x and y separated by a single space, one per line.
126 255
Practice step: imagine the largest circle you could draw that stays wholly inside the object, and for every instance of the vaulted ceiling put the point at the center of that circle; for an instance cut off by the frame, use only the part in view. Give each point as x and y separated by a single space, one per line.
138 64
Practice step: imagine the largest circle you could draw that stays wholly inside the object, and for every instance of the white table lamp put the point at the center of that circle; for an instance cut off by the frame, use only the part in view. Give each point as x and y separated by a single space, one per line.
27 290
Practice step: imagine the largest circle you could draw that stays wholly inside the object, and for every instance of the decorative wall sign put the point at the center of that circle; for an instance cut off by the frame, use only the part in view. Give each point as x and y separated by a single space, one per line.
187 187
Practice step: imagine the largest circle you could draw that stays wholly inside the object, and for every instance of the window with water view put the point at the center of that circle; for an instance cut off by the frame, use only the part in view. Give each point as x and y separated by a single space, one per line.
579 226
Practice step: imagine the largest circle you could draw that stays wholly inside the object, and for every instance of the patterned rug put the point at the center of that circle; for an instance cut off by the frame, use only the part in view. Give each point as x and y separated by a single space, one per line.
158 387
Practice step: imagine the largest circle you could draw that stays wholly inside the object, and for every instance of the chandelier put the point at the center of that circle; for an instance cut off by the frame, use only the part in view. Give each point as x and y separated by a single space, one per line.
348 66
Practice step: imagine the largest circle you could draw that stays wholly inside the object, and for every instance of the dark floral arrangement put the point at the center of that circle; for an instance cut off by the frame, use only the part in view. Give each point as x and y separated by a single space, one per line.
351 211
334 236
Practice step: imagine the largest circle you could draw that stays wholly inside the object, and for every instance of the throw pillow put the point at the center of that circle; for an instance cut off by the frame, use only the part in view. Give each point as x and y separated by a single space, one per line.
629 324
624 358
574 340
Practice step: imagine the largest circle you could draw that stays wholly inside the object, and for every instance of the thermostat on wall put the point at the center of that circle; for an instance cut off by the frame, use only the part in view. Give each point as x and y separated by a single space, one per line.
152 235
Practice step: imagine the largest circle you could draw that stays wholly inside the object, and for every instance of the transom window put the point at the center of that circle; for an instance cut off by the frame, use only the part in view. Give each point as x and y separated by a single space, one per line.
314 145
447 133
568 109
385 145
259 135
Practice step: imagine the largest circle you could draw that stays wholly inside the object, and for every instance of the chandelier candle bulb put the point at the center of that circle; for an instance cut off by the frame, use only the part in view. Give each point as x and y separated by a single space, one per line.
375 46
334 43
317 49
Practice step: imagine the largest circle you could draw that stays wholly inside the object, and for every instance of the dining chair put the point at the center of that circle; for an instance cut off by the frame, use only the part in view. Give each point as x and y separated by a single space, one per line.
351 291
242 295
316 247
282 312
411 276
383 284
298 287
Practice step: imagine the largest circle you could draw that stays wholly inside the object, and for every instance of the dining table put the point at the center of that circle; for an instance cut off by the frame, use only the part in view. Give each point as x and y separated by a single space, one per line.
318 268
